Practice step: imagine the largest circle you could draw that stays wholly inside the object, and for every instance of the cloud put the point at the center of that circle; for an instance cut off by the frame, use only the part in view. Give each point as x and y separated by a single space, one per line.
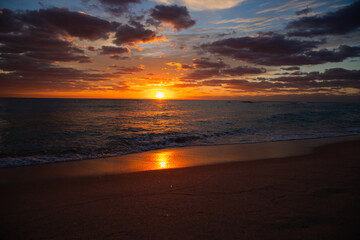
303 11
330 81
118 57
9 21
118 7
343 21
46 34
276 50
176 16
244 85
180 66
185 85
291 5
41 47
129 35
127 70
290 68
91 48
113 50
200 5
56 22
216 69
206 63
328 75
202 74
36 75
33 44
71 23
242 70
241 20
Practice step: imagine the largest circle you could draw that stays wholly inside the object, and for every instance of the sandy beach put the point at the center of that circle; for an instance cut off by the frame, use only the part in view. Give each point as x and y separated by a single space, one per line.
314 195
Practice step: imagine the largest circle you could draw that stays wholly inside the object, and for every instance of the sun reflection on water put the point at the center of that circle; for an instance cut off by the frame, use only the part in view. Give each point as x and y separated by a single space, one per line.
163 164
163 159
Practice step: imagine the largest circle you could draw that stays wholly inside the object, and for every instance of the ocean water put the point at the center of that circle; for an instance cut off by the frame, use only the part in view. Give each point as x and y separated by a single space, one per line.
38 131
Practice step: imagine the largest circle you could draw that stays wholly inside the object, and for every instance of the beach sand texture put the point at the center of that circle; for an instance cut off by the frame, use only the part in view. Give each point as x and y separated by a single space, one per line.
315 196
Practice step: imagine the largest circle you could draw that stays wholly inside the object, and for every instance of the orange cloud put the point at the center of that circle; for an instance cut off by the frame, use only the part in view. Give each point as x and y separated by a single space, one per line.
180 66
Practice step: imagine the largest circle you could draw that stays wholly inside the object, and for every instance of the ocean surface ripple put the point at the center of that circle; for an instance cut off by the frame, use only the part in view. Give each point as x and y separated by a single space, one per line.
38 131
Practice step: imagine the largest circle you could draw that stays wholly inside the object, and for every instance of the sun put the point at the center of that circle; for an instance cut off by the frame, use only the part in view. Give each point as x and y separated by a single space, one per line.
160 95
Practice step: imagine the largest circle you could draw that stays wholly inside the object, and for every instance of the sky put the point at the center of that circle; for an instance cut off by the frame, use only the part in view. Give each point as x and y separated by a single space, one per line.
187 49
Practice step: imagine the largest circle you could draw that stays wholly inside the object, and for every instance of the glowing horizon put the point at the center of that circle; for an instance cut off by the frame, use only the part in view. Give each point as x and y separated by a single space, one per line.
244 51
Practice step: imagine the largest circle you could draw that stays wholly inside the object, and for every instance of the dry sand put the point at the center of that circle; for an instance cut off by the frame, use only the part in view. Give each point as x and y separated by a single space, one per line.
316 196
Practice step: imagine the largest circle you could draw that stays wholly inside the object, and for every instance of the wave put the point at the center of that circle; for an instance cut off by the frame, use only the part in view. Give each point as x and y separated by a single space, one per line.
123 146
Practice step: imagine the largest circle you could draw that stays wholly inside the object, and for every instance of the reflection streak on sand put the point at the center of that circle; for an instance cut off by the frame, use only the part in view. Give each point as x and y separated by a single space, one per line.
154 160
164 159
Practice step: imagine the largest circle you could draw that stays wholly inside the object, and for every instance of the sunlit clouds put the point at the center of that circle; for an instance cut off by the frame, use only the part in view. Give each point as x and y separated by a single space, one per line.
184 49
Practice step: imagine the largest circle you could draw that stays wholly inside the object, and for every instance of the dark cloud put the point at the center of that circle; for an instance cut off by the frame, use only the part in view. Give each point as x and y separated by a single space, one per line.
290 68
343 21
276 50
303 11
91 48
336 55
176 16
206 63
45 37
186 67
9 21
75 24
126 34
33 43
110 50
261 47
216 71
330 81
202 74
118 57
118 7
242 84
114 52
220 35
41 46
55 21
297 73
127 70
242 70
33 74
44 34
328 75
180 66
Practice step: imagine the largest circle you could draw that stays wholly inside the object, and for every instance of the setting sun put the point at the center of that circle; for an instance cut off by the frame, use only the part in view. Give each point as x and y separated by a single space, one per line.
160 95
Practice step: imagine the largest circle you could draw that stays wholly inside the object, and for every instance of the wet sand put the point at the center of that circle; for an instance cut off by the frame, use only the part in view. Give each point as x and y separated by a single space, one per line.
314 196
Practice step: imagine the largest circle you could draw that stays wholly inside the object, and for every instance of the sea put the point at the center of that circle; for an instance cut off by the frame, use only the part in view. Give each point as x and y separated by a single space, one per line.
41 131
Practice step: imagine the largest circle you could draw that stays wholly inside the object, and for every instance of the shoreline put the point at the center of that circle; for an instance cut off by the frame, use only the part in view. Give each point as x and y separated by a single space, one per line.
313 196
167 158
179 147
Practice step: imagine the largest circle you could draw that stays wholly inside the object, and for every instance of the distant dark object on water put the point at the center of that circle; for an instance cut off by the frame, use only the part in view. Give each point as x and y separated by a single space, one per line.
248 102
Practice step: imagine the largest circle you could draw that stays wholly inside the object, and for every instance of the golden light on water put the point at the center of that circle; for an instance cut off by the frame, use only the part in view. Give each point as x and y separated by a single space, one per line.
160 95
163 164
163 159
